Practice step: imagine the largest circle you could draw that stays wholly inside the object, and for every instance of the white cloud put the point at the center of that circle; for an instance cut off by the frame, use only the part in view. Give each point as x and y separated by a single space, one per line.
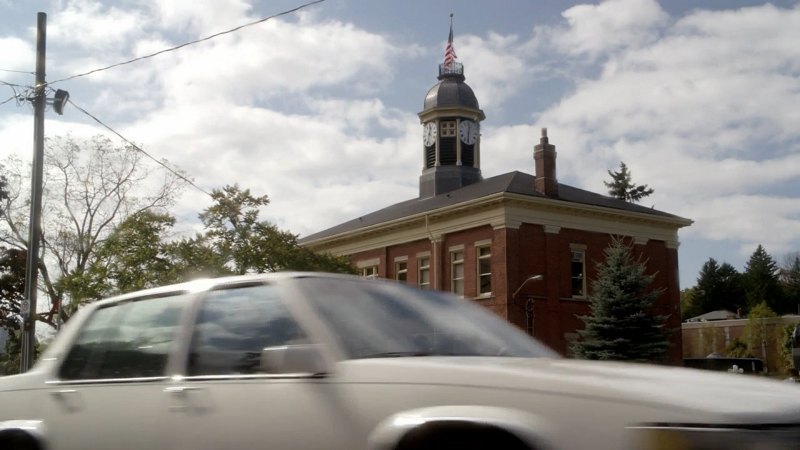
16 55
494 67
202 17
94 25
706 114
701 107
613 25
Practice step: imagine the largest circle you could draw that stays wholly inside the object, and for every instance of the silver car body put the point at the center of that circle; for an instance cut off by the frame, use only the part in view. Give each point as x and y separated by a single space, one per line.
334 401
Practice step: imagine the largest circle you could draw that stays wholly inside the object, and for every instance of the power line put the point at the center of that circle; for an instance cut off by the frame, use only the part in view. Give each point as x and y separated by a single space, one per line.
191 42
11 84
8 100
17 71
160 163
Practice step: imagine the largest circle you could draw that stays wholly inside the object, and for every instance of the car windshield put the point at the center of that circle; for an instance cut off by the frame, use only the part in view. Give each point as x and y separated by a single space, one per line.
373 319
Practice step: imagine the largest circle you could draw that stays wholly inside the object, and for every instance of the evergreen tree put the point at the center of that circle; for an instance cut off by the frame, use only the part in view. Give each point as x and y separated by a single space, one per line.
761 282
791 285
623 188
622 325
718 287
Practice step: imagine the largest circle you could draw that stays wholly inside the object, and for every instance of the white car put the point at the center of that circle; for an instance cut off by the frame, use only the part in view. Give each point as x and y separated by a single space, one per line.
315 361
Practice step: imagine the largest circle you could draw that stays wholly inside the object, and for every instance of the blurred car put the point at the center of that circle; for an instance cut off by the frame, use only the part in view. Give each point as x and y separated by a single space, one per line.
317 361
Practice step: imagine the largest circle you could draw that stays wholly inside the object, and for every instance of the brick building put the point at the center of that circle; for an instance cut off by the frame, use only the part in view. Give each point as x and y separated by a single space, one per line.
524 246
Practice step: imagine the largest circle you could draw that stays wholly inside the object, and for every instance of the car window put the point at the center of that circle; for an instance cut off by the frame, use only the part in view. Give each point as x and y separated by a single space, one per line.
234 325
125 340
374 319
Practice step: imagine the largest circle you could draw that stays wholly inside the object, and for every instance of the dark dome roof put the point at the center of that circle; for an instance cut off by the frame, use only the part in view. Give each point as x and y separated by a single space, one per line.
451 91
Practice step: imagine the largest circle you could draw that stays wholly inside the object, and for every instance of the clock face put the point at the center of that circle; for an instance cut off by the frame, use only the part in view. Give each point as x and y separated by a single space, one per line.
468 131
429 134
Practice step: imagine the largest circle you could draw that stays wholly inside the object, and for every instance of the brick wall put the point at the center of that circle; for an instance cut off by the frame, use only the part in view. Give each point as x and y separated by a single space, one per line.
700 339
547 305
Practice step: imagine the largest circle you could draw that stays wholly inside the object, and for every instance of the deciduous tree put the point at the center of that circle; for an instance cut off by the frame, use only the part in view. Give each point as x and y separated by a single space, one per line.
237 236
91 187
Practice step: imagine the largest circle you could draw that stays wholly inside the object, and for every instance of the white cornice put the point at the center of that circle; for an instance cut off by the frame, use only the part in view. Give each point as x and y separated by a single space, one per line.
440 111
504 210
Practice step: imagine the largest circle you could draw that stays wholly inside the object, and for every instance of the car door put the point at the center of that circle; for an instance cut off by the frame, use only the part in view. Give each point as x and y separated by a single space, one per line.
225 402
110 387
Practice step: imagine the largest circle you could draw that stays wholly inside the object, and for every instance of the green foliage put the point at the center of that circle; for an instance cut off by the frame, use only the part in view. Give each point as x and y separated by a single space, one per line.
93 186
756 332
622 325
247 244
133 257
12 286
9 361
718 287
688 303
738 349
762 284
623 188
785 346
791 285
139 254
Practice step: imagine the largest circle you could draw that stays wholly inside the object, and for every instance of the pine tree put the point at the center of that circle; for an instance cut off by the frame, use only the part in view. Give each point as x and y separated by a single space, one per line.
761 282
718 287
791 284
621 186
622 325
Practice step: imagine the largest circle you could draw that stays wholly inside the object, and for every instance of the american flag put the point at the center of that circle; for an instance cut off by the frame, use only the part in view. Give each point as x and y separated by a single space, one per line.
449 51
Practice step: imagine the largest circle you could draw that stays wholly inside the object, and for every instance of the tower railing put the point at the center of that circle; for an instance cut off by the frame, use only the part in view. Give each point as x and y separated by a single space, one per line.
453 68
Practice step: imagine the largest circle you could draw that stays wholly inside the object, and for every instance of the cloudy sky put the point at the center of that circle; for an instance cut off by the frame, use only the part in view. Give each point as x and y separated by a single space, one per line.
317 109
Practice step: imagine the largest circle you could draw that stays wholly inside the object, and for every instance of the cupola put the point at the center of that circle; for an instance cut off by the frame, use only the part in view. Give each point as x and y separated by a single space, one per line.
450 130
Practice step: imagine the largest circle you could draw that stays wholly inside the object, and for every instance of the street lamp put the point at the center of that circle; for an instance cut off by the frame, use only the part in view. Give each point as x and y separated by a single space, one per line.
531 278
528 304
58 101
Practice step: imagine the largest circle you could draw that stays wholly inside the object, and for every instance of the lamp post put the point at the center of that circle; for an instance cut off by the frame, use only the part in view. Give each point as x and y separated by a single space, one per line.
531 278
528 304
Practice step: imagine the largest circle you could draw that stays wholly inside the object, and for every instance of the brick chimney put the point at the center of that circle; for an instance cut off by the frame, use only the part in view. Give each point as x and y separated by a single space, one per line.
544 155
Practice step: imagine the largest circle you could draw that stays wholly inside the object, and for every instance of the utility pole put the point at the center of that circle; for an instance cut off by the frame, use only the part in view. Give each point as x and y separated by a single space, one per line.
28 309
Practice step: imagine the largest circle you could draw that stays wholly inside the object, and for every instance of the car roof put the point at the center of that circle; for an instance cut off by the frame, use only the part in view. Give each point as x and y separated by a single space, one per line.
204 284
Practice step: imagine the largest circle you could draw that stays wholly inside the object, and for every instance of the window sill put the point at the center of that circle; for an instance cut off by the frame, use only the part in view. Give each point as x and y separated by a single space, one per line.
582 299
488 296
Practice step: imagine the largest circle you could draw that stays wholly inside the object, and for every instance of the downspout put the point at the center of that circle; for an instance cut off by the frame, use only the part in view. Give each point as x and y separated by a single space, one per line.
434 258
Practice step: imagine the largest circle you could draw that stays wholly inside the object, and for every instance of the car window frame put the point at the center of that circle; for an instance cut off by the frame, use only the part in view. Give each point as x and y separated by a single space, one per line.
294 308
173 353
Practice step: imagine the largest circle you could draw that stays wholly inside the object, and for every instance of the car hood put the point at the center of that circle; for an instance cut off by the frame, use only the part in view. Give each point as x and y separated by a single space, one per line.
729 397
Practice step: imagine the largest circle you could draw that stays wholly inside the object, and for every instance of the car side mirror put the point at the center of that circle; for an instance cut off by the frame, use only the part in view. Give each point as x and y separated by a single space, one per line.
294 359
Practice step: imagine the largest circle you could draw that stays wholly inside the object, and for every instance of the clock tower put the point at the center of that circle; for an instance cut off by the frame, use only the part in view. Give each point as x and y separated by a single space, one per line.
451 135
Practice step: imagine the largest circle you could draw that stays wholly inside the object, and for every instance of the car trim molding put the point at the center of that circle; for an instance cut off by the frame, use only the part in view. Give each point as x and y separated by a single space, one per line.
107 381
257 376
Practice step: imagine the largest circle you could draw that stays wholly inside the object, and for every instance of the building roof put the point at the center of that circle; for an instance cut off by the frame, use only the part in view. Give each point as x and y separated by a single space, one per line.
450 91
512 182
720 314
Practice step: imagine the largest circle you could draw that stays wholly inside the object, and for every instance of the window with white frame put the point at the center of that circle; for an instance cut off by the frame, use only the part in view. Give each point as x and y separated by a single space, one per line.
369 268
578 271
457 272
424 272
370 272
484 266
401 270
